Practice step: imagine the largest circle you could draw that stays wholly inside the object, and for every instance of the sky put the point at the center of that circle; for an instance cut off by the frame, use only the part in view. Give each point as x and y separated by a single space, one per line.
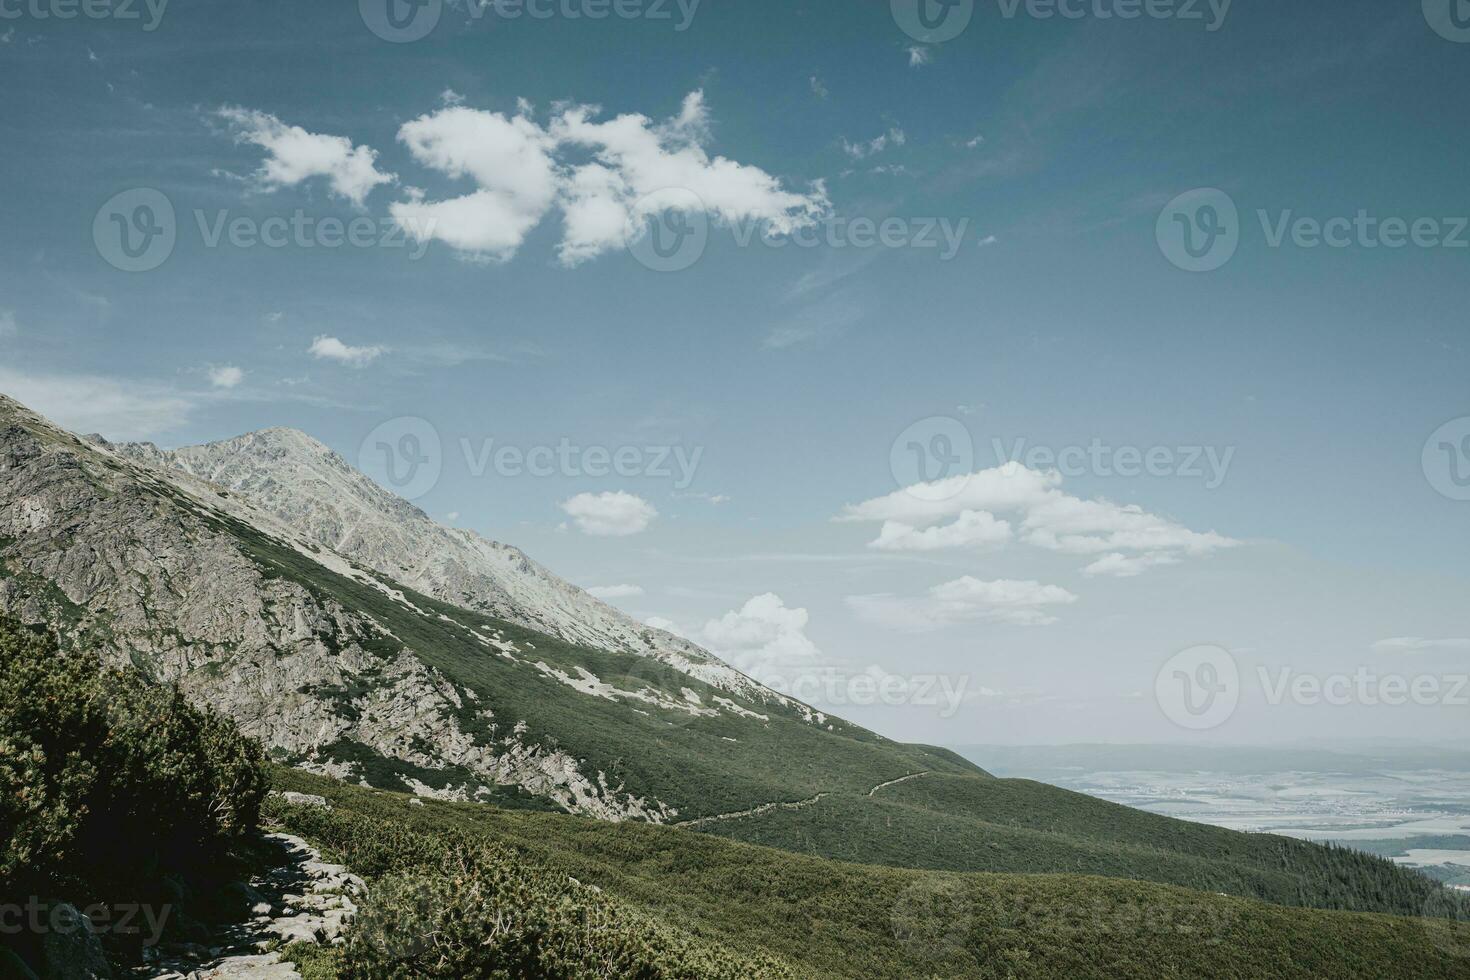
983 372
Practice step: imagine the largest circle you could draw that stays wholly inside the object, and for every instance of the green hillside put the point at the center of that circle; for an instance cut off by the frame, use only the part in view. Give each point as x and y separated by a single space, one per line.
819 918
962 823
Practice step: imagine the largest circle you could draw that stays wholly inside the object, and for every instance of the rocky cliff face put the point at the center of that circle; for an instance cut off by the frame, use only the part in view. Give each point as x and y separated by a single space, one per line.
192 584
313 491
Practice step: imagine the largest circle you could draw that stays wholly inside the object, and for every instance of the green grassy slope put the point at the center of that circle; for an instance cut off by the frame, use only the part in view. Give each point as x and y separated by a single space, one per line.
832 919
964 823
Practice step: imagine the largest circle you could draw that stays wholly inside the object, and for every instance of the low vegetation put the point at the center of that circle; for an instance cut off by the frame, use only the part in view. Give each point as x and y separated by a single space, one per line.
812 917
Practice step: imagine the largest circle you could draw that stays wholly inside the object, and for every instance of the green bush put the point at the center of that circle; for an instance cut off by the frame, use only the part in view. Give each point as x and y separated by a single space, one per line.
104 776
458 906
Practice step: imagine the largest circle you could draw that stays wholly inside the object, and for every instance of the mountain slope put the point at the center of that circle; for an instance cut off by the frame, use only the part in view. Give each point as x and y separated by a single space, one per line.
311 489
341 670
830 919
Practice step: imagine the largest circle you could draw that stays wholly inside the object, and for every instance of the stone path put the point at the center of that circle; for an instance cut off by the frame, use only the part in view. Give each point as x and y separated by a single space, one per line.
303 899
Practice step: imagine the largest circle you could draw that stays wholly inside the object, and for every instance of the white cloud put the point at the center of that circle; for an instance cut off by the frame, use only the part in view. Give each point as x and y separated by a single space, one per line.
714 499
606 201
919 56
615 591
1121 540
1418 644
762 636
972 529
121 411
295 155
819 88
450 97
1119 565
966 599
510 161
660 623
332 349
225 376
610 515
876 145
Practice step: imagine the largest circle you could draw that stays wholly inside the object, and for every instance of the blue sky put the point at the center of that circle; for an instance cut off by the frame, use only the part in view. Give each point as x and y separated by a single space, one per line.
1055 145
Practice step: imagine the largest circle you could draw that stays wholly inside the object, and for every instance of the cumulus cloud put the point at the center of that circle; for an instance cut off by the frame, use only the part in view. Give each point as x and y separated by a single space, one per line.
295 155
1418 644
919 56
510 161
331 349
615 591
225 376
610 515
966 599
640 167
1120 540
606 176
972 529
762 636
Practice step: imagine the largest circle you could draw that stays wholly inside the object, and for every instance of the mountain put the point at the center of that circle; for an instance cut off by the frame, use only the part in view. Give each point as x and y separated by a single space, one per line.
356 639
311 489
340 668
